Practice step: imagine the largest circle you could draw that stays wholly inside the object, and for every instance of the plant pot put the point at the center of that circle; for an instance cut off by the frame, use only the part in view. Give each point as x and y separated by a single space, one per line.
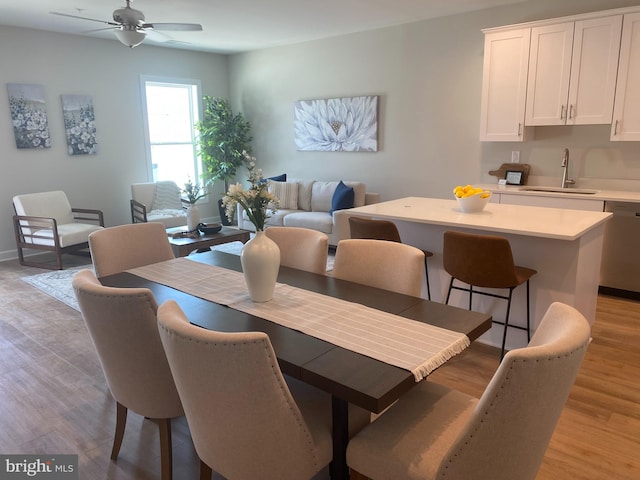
223 214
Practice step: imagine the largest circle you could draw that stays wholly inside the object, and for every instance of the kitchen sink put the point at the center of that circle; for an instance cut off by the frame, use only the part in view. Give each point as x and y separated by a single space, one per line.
582 191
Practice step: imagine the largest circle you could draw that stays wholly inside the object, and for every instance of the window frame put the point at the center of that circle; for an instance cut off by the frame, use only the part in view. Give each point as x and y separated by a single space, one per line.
196 110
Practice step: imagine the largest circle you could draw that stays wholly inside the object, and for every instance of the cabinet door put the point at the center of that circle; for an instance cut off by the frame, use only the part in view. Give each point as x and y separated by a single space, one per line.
549 73
504 85
626 113
594 69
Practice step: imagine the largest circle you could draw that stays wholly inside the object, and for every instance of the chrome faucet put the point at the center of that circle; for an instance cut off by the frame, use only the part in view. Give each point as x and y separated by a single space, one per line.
565 170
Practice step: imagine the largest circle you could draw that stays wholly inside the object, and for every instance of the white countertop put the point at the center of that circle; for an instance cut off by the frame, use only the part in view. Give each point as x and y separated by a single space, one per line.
601 195
512 219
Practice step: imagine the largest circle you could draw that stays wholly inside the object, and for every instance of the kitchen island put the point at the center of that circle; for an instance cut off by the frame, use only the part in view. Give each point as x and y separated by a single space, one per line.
564 246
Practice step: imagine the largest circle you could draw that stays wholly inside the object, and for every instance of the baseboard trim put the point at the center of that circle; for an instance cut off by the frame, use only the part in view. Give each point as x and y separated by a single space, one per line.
618 292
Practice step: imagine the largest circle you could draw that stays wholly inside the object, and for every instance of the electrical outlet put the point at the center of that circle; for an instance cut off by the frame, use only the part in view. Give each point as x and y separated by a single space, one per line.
515 156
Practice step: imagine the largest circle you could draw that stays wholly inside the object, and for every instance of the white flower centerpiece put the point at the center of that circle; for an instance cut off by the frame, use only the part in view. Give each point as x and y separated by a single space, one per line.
260 256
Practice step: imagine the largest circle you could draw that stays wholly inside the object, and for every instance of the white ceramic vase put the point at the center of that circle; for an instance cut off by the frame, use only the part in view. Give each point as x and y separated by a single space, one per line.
260 260
193 217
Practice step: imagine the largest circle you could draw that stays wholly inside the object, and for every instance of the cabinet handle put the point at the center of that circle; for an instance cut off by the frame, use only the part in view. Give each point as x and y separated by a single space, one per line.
520 129
561 112
615 128
570 112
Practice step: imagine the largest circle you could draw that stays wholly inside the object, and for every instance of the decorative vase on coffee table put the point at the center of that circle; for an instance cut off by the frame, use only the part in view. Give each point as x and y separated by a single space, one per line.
260 260
193 217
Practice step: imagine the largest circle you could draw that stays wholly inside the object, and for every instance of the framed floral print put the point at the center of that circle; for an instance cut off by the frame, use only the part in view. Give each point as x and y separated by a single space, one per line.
79 124
347 124
29 115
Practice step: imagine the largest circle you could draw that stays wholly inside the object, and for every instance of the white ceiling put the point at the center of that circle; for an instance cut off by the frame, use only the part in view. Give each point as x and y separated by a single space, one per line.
231 26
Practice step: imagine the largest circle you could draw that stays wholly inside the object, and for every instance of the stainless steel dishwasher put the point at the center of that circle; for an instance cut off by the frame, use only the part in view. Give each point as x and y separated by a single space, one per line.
620 268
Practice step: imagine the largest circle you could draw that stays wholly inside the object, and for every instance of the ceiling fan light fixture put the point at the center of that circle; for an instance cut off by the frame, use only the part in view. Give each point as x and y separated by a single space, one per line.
130 38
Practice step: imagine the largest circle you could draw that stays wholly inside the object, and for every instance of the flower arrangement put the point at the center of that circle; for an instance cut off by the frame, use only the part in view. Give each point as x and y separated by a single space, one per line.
257 201
193 192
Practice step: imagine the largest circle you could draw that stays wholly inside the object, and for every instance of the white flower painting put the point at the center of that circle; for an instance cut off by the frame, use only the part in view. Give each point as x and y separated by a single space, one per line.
29 115
337 125
79 124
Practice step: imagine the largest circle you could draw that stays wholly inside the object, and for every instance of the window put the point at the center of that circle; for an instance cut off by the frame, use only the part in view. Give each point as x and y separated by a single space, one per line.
171 110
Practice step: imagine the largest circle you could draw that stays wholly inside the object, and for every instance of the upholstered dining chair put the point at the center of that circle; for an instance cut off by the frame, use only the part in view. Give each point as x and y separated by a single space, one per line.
434 432
361 227
301 248
244 422
378 263
116 249
485 261
123 327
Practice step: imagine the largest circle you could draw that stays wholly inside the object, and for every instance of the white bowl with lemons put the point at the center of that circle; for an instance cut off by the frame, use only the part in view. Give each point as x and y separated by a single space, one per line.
471 199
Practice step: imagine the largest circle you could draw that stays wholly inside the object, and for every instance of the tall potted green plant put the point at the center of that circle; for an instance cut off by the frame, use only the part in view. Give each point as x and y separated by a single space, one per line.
223 137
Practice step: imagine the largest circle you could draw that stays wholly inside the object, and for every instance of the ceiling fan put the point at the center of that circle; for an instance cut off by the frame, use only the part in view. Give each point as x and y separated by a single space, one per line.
130 26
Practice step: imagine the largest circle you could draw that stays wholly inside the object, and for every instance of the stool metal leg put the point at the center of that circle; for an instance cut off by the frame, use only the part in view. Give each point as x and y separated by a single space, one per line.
426 272
506 324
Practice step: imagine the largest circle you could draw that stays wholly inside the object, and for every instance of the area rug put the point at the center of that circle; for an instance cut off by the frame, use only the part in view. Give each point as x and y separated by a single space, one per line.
57 283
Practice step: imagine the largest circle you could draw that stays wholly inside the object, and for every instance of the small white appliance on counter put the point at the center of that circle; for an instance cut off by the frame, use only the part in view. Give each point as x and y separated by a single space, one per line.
620 268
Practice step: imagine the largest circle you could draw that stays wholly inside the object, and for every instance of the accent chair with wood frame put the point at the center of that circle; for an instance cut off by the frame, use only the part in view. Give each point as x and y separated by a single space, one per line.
158 202
46 222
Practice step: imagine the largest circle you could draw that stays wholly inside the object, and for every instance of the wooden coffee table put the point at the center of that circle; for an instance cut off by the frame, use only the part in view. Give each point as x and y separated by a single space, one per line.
183 246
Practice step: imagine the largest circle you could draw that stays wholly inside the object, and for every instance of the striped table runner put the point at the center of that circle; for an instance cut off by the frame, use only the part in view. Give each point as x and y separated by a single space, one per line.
408 344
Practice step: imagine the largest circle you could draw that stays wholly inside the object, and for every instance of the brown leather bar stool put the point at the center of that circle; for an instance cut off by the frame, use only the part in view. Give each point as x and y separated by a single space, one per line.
383 230
485 261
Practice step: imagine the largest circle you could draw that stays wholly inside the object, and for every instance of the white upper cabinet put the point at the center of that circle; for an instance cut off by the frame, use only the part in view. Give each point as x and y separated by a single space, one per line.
549 73
594 68
626 115
504 85
572 72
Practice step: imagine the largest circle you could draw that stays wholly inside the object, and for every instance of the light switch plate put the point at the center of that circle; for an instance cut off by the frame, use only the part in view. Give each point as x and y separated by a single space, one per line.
515 156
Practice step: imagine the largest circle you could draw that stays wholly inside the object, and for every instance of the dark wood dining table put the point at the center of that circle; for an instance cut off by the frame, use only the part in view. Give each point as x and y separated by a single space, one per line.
347 376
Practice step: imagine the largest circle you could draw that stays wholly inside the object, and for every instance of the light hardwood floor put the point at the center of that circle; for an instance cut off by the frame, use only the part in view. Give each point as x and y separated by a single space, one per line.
54 399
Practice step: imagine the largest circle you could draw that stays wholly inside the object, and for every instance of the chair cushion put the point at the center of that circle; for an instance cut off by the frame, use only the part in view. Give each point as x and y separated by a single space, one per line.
166 196
69 234
343 197
287 193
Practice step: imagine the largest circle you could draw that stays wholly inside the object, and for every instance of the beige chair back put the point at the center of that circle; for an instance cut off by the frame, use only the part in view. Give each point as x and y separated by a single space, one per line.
123 326
511 426
301 248
116 249
382 264
243 420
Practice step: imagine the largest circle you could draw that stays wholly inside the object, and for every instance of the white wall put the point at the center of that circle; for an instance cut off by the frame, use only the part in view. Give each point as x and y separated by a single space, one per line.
428 75
110 73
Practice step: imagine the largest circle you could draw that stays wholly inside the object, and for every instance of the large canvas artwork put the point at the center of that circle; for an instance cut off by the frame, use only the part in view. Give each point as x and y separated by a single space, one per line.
29 115
337 124
79 124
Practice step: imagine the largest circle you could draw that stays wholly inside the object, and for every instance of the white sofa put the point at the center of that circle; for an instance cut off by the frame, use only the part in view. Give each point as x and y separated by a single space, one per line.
157 202
308 205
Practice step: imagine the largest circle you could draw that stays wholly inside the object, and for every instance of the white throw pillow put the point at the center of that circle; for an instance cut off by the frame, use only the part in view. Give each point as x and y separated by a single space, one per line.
287 193
166 196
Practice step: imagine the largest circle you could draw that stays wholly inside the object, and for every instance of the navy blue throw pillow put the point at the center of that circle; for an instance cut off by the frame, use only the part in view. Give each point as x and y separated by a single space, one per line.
279 178
343 198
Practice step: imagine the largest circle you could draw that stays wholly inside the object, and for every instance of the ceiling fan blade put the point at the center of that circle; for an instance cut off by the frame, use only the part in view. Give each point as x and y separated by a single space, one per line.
84 18
100 29
184 27
157 36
